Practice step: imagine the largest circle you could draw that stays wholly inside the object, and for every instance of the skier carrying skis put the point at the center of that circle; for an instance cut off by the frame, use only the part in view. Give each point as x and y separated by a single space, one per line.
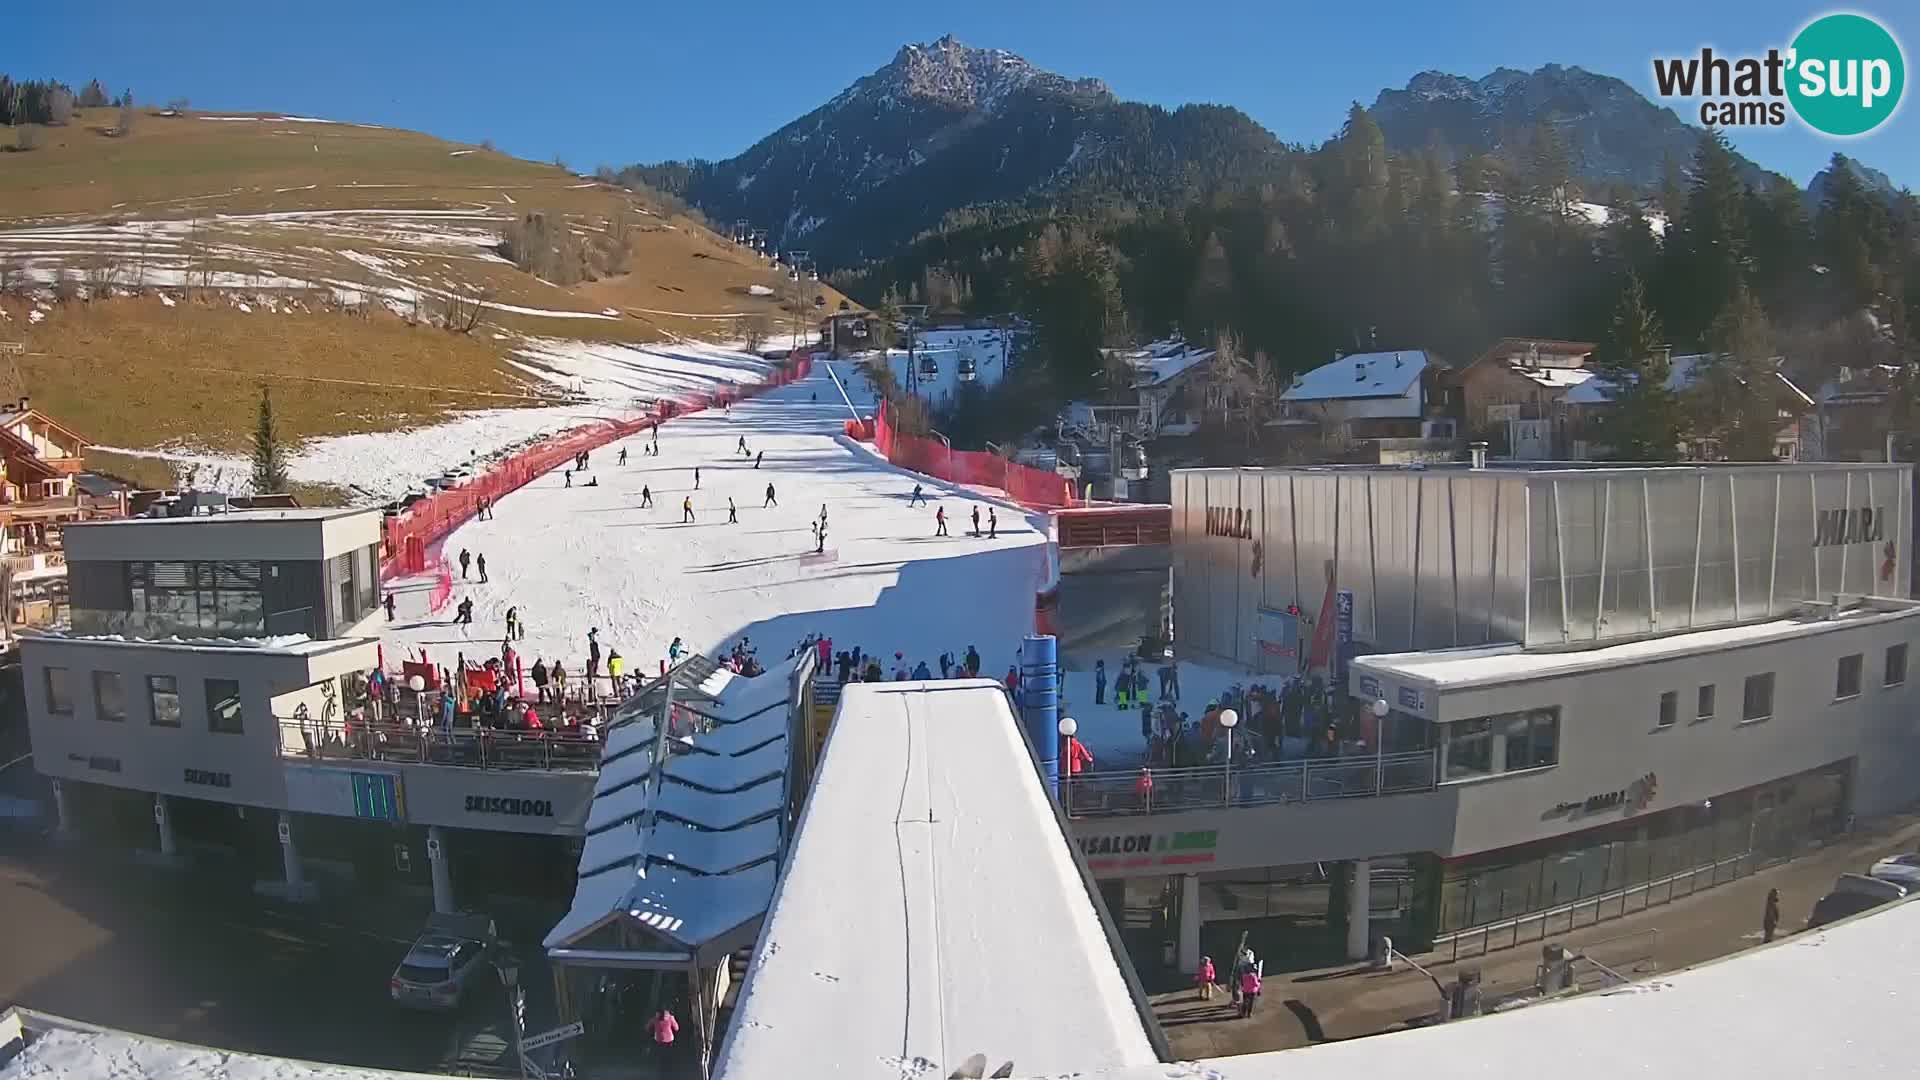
686 510
771 501
940 521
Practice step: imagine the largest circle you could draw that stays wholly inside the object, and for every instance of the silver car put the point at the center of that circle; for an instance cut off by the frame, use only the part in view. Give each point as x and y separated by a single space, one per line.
453 952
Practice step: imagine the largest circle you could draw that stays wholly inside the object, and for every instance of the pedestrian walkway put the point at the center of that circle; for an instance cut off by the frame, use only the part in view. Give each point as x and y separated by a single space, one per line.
1349 1001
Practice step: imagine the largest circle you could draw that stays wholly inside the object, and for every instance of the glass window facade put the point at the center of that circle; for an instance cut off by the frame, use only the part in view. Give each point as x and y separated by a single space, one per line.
163 693
109 696
223 706
1509 742
191 599
59 694
1767 823
1757 701
1846 677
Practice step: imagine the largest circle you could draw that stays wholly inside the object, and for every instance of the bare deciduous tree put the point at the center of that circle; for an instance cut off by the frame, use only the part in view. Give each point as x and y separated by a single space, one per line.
463 312
756 329
102 271
65 286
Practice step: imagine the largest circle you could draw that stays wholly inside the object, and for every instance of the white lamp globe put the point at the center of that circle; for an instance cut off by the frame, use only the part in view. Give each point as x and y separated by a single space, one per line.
1229 718
1069 726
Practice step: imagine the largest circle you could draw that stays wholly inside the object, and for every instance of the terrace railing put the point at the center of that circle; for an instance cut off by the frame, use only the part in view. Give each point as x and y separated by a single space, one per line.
464 747
1203 787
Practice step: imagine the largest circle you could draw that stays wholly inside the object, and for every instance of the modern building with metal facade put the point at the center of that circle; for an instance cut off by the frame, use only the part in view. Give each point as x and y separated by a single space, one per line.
1576 687
1442 557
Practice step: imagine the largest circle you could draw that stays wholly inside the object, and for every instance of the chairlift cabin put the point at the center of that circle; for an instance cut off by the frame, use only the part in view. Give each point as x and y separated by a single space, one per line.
1133 461
969 370
929 367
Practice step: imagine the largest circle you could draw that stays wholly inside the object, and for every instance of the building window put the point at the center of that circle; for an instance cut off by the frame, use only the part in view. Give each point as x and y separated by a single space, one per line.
109 696
1846 680
223 706
1704 710
1896 670
1469 749
164 694
197 599
1669 708
59 697
1533 739
1758 701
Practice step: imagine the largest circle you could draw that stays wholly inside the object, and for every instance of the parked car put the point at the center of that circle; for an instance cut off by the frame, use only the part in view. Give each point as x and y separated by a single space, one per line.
1902 870
454 952
1851 895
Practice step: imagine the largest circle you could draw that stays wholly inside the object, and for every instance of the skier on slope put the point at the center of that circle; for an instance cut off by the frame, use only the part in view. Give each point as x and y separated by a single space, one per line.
993 523
569 475
674 650
733 512
743 447
758 457
686 510
696 478
481 565
940 521
646 496
918 496
388 604
623 455
771 501
593 654
976 519
465 558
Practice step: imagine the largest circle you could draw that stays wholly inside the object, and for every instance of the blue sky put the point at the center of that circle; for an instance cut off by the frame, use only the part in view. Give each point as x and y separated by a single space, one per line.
619 83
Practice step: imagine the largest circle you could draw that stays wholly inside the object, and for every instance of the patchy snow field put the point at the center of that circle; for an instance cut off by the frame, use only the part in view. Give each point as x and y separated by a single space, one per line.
573 559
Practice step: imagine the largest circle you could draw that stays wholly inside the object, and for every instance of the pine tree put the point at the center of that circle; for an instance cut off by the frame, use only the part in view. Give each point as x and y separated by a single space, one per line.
1643 422
1738 393
269 457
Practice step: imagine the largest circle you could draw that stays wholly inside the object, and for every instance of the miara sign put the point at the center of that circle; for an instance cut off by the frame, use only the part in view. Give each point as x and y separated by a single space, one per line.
1861 525
1230 521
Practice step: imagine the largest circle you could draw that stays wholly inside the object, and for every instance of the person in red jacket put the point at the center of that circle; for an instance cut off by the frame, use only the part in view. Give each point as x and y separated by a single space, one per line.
1079 757
663 1027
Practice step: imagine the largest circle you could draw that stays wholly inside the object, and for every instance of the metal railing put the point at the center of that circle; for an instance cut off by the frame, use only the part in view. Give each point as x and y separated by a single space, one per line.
1538 925
464 747
1116 794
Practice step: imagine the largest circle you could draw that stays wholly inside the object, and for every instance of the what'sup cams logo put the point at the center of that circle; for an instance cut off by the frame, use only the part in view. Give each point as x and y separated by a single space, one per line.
1843 75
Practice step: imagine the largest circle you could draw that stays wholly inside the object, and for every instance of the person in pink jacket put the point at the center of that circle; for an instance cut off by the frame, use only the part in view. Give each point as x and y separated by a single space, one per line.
1249 991
1204 977
663 1028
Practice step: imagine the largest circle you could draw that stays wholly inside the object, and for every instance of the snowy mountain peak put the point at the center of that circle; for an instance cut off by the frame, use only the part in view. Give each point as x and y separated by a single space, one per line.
946 72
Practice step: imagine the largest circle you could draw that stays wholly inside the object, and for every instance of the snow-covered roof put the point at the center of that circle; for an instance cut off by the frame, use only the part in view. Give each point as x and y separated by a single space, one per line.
56 1047
1837 1001
1556 378
1684 372
685 848
1157 368
928 830
1361 375
1458 669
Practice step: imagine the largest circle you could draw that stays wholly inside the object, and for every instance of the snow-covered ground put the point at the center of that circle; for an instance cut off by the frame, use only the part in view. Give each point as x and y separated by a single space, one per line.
611 380
579 558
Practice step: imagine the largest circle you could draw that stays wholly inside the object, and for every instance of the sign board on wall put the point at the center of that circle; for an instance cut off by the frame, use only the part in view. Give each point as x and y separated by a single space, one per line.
1277 633
342 792
1128 849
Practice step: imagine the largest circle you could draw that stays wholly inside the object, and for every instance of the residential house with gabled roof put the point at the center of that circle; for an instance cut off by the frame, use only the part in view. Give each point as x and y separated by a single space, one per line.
40 461
1513 395
1369 395
1795 407
58 447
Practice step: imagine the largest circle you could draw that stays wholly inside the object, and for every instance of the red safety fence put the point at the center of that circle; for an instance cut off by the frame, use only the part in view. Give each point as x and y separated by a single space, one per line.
410 536
934 457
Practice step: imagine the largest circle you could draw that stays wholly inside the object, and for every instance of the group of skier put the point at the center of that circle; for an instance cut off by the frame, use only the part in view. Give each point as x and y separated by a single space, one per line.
940 517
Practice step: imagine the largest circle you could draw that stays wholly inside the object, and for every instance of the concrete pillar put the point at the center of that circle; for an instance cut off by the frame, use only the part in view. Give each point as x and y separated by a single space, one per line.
62 812
163 817
438 858
1188 955
290 859
1359 903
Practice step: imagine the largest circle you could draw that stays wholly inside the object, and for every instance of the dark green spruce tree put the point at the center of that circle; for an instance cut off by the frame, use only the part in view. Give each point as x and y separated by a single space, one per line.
1644 422
269 457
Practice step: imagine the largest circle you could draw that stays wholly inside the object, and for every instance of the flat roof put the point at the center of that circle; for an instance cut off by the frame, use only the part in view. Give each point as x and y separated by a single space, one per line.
931 909
58 1046
238 517
1838 1001
1457 669
279 645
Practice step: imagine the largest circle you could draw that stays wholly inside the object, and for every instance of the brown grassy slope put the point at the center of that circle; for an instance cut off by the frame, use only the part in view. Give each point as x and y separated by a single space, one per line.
133 372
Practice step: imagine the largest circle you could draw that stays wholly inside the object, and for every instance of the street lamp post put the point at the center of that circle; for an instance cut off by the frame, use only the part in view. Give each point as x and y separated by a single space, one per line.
418 685
1068 728
1229 720
1380 708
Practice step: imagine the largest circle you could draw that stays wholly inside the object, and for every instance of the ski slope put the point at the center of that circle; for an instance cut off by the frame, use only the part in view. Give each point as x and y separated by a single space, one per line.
574 559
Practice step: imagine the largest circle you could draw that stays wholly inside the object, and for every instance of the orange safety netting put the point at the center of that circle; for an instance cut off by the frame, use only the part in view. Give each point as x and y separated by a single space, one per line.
410 536
934 457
